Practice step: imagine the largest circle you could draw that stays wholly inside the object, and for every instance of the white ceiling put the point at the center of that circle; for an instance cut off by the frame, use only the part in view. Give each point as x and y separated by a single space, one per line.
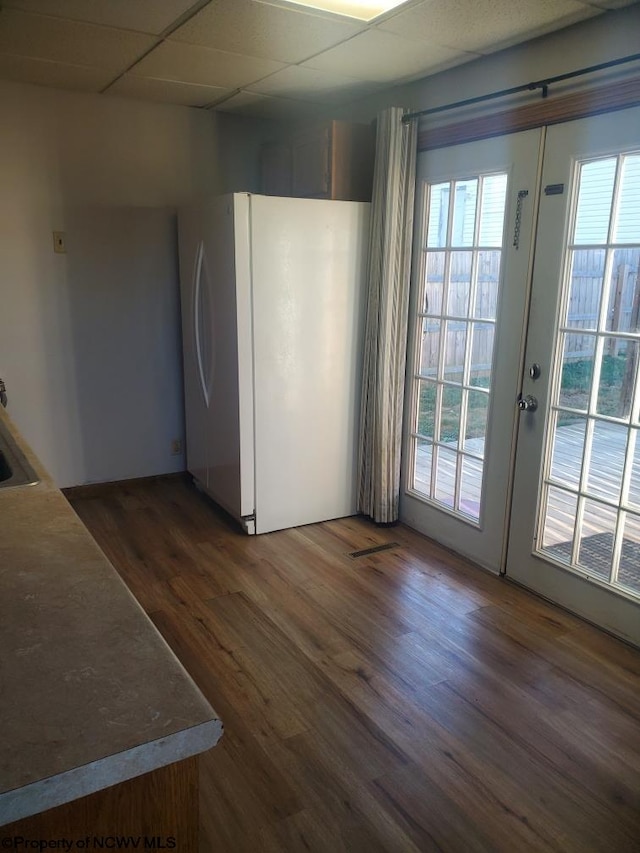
259 57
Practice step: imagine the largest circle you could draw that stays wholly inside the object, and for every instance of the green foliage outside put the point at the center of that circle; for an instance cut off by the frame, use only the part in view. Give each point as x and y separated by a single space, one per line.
576 386
451 402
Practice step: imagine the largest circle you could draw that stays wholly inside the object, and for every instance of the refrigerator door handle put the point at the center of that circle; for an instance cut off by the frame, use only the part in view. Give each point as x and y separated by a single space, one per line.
197 302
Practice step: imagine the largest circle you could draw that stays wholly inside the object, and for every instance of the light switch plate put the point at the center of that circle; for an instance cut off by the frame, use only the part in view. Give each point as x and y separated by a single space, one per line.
59 245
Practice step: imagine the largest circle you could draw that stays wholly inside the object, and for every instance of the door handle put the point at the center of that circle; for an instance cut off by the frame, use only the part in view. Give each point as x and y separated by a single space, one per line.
197 290
528 403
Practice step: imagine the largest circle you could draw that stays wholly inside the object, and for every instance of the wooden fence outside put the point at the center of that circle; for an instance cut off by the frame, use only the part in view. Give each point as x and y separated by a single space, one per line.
457 308
584 300
623 311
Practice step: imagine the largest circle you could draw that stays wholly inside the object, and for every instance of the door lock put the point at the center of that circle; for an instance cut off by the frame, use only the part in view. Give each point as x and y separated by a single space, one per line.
527 404
535 371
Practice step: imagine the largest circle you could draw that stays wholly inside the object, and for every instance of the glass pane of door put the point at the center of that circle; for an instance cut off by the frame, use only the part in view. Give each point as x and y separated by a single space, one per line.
593 428
462 269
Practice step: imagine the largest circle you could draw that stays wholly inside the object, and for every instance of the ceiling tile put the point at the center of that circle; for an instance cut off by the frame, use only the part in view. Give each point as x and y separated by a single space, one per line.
296 81
167 91
187 63
263 106
484 26
230 45
23 34
383 57
246 27
79 78
147 16
611 4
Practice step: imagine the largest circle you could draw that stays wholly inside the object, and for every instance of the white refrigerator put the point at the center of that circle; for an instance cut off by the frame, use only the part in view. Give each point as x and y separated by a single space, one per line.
273 303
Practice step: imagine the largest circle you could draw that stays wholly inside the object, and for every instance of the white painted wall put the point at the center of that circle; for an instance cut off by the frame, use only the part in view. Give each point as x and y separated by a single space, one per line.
89 341
123 386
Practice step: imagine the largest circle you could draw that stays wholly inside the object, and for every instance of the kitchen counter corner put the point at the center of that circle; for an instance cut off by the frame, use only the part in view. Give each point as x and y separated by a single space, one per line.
92 694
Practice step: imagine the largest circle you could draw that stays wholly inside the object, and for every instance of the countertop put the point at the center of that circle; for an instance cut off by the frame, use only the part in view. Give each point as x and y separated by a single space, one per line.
91 694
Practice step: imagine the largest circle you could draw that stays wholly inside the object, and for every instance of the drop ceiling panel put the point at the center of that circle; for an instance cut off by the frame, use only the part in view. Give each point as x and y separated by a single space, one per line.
264 106
146 16
269 31
23 34
59 75
385 57
296 81
287 62
610 4
168 91
185 63
484 26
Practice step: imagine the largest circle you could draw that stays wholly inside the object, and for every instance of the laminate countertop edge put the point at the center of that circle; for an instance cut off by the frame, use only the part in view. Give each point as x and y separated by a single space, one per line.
105 772
92 695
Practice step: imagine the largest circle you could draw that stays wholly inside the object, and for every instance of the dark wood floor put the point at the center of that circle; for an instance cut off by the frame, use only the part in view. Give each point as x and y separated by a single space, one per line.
403 701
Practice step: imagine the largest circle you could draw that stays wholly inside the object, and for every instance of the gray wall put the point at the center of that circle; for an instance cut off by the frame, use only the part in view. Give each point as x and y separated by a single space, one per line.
89 340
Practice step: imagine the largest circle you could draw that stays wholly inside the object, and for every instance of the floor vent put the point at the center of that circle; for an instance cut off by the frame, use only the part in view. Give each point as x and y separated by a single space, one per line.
366 551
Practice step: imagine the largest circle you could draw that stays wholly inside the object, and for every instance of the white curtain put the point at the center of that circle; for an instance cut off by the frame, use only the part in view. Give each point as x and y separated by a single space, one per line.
387 316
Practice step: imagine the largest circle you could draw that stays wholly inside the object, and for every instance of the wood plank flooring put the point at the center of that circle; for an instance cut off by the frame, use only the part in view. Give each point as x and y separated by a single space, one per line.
401 701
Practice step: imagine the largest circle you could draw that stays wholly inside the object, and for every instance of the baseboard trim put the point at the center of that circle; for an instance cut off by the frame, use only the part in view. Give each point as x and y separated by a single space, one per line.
98 490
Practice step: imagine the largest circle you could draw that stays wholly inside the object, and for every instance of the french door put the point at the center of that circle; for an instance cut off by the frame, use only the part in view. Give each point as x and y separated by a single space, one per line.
471 261
548 487
575 523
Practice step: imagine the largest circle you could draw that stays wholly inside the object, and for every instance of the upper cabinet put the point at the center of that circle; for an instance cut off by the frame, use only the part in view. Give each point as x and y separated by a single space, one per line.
332 160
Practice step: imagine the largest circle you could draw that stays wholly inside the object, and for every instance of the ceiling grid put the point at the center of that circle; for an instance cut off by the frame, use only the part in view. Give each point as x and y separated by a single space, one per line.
260 57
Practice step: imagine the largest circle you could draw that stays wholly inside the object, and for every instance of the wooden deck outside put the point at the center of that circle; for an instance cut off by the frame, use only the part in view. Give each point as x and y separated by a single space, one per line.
604 480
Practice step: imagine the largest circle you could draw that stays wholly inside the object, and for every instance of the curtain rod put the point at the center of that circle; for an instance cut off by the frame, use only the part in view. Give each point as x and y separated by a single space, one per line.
525 87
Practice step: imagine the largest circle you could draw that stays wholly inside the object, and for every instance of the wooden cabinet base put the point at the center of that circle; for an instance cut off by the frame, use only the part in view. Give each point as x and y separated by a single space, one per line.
157 811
